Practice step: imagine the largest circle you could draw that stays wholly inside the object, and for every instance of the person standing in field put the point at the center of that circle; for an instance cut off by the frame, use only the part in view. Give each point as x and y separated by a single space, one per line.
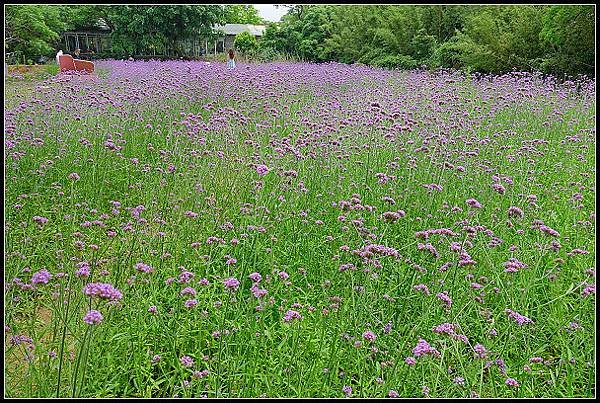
231 59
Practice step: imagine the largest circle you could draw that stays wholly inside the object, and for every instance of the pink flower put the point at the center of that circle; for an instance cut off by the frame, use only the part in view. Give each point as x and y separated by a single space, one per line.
231 283
369 336
186 361
262 169
93 317
289 315
474 203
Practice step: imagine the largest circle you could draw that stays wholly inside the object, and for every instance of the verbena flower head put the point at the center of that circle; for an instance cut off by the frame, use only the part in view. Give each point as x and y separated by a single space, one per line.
480 350
369 336
41 277
231 283
473 203
143 267
423 348
103 291
93 317
186 361
262 169
290 315
40 220
445 298
517 317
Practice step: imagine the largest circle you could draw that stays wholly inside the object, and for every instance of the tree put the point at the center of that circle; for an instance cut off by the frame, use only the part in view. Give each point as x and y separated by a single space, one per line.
242 14
568 33
245 42
139 28
32 31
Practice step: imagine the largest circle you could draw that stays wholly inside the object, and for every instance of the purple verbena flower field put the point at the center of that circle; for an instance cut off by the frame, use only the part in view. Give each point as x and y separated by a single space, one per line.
178 229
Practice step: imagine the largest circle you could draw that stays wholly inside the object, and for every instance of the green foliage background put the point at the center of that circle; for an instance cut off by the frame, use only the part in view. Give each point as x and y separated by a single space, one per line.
556 39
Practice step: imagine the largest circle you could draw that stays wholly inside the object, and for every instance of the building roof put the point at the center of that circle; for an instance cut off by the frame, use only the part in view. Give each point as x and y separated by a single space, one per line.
234 29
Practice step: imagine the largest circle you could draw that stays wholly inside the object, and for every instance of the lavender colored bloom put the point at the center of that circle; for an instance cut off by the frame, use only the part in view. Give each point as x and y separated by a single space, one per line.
186 361
74 176
83 270
347 390
447 328
513 265
93 317
480 350
262 169
143 267
410 361
515 212
256 277
422 348
498 188
445 298
473 203
590 289
190 303
103 291
459 381
153 309
517 317
289 315
231 283
188 291
40 220
511 382
200 374
393 393
549 231
258 292
156 358
422 287
41 277
369 336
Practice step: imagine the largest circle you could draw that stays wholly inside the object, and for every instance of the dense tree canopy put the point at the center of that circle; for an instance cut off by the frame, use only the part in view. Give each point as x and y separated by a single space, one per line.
31 30
492 39
557 39
242 14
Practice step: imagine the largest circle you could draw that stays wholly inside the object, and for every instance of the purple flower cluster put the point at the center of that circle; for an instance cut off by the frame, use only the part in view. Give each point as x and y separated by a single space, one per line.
423 348
513 265
103 291
41 277
231 283
186 361
93 317
290 315
517 317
